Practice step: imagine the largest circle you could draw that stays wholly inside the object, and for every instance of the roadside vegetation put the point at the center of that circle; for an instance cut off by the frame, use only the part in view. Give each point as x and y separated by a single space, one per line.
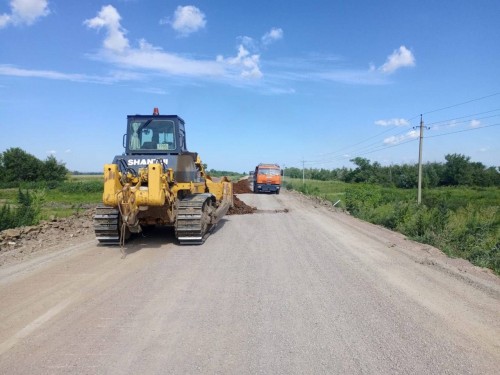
32 190
459 213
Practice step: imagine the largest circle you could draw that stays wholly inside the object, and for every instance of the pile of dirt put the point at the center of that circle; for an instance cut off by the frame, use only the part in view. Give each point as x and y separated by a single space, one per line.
240 207
19 243
241 187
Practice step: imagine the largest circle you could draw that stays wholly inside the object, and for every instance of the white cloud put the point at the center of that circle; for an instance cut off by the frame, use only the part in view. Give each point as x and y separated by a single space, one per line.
393 122
273 35
400 58
24 12
152 90
5 19
475 123
9 70
52 152
249 64
187 19
117 50
249 43
395 139
109 18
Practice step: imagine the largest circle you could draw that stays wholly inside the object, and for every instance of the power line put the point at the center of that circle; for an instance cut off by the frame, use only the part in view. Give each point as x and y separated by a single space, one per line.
373 144
461 117
358 143
466 121
464 130
459 104
394 127
372 147
381 148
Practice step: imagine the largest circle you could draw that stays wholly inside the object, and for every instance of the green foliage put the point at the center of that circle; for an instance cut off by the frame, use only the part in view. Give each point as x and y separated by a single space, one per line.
53 170
231 175
27 212
7 217
474 234
458 170
361 198
90 186
308 189
17 167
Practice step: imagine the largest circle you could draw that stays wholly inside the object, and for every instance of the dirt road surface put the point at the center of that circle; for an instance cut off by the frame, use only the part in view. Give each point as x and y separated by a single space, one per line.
294 288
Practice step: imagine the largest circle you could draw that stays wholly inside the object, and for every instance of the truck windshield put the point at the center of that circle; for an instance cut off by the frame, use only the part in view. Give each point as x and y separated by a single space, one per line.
269 171
152 134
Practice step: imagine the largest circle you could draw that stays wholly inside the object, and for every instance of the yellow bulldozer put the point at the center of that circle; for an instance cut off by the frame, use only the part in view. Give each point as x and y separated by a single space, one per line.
158 182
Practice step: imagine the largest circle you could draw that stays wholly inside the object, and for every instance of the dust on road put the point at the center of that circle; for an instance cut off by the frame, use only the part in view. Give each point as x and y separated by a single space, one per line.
310 290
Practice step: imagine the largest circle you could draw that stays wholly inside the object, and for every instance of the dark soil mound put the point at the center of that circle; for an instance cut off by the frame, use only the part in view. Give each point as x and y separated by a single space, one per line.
241 187
240 207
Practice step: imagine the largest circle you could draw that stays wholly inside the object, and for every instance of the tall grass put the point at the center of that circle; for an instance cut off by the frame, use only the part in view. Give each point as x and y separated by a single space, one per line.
65 199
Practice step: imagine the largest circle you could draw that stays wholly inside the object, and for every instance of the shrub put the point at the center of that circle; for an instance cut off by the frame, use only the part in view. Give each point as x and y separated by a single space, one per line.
308 189
26 213
474 234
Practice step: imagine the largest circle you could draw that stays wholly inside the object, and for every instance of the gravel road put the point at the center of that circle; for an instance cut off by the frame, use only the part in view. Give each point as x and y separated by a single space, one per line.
294 288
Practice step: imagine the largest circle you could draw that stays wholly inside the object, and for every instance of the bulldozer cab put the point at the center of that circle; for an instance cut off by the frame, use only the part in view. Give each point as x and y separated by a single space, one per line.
157 134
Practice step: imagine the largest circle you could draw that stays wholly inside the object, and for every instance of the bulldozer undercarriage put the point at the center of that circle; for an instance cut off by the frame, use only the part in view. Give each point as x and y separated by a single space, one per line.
196 216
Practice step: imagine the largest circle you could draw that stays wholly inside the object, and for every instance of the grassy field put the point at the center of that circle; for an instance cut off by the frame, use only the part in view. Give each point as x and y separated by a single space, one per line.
462 222
65 200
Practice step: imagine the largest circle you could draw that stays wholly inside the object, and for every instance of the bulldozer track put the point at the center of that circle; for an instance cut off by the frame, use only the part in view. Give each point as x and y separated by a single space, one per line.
107 225
193 219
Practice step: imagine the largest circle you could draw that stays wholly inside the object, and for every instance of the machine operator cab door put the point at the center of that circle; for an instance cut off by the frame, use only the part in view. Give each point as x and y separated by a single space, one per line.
157 134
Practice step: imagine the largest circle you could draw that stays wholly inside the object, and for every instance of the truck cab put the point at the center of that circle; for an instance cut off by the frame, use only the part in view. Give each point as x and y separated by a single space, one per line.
267 178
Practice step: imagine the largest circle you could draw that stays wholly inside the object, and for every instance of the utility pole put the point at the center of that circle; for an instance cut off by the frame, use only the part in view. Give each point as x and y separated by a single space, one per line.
419 199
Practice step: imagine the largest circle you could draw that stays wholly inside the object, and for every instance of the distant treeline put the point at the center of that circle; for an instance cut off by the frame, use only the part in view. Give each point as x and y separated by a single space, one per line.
76 173
17 166
458 170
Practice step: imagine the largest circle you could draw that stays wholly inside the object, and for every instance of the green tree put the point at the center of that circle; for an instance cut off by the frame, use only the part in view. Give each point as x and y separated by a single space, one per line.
432 174
363 172
20 166
458 170
6 217
16 165
53 170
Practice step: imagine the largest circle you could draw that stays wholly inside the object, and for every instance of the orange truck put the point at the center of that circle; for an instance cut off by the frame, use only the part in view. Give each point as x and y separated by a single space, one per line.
267 178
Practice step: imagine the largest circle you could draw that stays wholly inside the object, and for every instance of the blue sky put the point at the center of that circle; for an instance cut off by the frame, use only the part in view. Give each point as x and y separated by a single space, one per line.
255 81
